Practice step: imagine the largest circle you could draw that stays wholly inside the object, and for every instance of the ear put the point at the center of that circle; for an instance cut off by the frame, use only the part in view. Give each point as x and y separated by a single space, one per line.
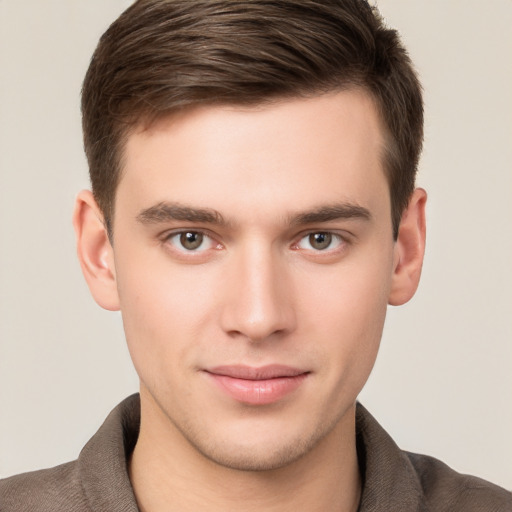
409 250
95 252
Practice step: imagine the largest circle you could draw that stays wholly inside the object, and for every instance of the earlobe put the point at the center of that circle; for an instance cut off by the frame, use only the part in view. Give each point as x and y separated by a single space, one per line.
409 250
95 252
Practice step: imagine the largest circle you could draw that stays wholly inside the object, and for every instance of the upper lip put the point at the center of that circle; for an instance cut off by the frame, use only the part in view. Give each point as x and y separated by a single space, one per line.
271 371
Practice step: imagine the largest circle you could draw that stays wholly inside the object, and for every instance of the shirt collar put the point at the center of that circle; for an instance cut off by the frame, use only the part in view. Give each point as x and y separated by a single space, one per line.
389 479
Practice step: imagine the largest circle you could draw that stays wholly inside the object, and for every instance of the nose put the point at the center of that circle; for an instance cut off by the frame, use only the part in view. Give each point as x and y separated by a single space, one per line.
258 304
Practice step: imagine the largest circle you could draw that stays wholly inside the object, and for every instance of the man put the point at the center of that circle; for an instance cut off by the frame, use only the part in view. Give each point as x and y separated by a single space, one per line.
253 213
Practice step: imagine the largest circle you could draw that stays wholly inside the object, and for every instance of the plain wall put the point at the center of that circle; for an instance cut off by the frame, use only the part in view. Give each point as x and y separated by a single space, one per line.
443 381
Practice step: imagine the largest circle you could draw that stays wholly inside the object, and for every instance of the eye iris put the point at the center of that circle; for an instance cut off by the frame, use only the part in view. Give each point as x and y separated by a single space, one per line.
320 240
191 240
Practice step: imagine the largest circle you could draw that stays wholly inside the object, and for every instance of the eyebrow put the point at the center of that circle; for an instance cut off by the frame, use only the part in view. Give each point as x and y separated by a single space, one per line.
331 212
165 212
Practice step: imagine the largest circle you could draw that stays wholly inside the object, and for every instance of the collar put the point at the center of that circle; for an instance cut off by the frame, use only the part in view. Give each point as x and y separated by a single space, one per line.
389 479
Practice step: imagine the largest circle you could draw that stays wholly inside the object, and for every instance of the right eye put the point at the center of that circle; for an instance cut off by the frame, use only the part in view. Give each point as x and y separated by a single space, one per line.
191 241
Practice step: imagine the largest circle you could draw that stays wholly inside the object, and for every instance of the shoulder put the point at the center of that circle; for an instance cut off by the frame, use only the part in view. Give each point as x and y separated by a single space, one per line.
446 490
97 480
46 490
399 480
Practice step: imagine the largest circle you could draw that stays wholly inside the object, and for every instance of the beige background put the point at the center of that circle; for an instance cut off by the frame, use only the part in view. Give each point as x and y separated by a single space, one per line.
443 383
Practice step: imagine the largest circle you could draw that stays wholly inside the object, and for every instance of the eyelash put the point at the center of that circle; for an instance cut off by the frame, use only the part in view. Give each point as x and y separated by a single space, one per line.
336 238
332 238
170 236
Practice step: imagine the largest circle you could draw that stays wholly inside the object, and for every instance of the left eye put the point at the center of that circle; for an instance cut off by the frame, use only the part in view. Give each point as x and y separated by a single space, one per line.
320 241
191 241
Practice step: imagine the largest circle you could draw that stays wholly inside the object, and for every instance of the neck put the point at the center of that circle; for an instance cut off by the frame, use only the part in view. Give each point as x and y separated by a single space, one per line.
168 475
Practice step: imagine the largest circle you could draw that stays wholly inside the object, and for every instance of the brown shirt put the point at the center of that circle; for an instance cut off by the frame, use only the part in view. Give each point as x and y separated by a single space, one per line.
393 480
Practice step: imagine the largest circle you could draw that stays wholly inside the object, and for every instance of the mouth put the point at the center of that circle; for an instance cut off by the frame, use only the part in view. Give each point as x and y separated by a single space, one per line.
257 386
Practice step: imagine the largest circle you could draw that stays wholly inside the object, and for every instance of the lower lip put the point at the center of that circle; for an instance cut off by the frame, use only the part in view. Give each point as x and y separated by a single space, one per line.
258 392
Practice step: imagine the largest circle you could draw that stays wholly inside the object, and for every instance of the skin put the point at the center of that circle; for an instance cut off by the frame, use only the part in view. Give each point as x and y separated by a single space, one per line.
259 289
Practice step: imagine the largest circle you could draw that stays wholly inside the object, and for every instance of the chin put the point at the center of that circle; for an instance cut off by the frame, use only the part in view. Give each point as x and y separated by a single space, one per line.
261 451
256 458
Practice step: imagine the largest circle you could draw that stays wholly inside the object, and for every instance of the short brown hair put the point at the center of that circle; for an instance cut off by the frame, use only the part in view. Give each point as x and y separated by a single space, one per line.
163 55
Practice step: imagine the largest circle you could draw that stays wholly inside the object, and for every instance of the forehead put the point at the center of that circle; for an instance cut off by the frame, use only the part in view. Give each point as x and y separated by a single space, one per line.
320 149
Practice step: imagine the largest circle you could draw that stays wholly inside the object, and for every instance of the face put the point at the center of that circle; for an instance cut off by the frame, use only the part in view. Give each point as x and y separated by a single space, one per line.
253 257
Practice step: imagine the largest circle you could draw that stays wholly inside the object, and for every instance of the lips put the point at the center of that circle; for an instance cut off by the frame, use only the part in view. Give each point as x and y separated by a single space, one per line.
257 386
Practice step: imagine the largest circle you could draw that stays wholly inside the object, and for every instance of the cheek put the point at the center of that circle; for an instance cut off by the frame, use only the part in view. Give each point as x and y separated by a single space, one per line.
350 310
164 310
353 297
